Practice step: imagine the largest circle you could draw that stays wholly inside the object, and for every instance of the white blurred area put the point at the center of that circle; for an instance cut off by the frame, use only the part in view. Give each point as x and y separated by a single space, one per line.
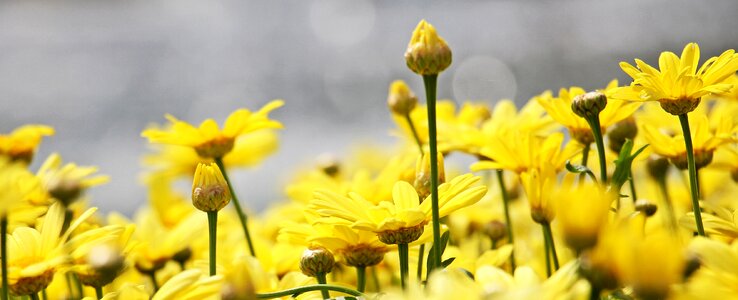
100 71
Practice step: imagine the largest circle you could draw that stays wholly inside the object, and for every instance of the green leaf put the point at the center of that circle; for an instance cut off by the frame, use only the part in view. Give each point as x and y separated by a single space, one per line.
447 262
623 165
429 262
579 169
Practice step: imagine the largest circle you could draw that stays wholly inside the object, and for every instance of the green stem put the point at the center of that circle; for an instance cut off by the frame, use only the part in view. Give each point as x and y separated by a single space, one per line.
594 124
545 252
404 252
375 279
548 235
78 284
494 244
294 292
632 187
421 253
241 215
323 281
360 278
585 159
98 292
4 254
430 94
213 234
506 205
670 215
684 120
415 132
34 296
44 295
70 290
152 275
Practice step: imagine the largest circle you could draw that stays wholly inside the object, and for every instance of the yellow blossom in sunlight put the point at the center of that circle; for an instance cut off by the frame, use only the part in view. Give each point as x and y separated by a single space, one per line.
191 284
34 255
560 109
98 255
717 277
427 53
679 84
405 216
521 151
22 142
356 248
720 222
538 186
581 213
19 187
208 140
67 183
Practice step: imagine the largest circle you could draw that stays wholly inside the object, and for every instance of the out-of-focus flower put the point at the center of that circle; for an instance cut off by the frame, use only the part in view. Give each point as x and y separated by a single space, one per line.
191 284
18 188
67 183
581 213
22 142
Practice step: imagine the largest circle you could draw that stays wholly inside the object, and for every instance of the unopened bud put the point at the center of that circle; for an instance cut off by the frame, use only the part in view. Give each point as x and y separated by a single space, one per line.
645 206
589 105
423 176
209 188
657 167
621 131
316 260
401 100
427 53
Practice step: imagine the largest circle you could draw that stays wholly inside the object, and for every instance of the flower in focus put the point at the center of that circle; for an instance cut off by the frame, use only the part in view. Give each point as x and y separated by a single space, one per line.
427 53
209 188
67 183
679 85
22 142
208 140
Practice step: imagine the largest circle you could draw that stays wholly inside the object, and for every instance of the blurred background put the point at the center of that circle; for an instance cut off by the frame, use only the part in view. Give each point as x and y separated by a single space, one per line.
101 71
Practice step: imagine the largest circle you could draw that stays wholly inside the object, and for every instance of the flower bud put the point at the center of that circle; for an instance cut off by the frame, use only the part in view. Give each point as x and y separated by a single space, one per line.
316 260
589 105
495 230
422 182
401 100
209 188
657 167
427 53
645 206
625 129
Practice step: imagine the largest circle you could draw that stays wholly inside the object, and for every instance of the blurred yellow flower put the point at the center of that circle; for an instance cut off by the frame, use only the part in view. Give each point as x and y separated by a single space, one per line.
191 284
582 212
19 187
208 140
521 151
67 183
22 142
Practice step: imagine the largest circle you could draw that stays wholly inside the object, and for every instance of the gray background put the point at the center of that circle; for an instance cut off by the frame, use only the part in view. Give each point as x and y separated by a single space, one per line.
100 71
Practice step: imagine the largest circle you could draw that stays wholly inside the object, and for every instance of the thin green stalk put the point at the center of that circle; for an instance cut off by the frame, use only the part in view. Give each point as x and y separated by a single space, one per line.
213 234
508 221
152 275
4 254
34 296
241 215
684 120
546 251
98 292
585 159
670 215
323 281
78 285
421 253
594 124
494 244
294 292
375 279
430 94
360 278
632 187
548 235
44 295
404 252
415 132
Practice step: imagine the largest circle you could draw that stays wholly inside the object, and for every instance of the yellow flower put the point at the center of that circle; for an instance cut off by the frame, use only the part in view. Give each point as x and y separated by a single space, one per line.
526 284
405 216
67 183
401 100
21 144
521 151
209 188
582 212
719 222
560 110
427 53
34 255
679 84
717 277
190 284
208 140
538 186
98 255
18 187
353 247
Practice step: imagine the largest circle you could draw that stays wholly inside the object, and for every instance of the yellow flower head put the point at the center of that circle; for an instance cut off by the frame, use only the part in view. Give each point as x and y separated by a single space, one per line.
191 284
538 185
560 109
427 53
18 187
21 144
67 183
522 151
209 188
581 213
208 140
401 217
679 84
98 255
401 99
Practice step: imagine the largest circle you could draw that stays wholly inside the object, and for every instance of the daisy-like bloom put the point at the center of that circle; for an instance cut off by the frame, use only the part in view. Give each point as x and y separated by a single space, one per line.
248 150
705 141
519 151
34 255
208 140
720 222
679 84
190 284
560 109
582 213
22 142
18 188
526 284
717 277
67 183
402 220
98 255
539 185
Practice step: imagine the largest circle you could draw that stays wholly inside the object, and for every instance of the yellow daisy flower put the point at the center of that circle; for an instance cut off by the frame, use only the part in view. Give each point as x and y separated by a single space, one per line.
67 183
679 84
560 110
21 144
403 218
190 284
521 151
18 188
208 140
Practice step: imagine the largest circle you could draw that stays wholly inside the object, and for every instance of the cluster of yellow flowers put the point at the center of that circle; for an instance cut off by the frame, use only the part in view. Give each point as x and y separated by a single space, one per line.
654 218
